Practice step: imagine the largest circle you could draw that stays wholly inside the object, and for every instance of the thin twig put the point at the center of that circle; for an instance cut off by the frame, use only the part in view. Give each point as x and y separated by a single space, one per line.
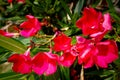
7 26
82 73
49 40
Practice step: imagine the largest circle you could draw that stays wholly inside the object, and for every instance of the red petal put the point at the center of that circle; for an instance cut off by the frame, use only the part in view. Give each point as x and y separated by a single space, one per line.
108 52
40 63
21 63
52 67
30 27
62 42
28 33
52 63
67 59
107 22
90 21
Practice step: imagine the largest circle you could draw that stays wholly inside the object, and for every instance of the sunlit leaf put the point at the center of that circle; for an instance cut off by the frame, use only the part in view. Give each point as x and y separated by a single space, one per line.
12 44
79 6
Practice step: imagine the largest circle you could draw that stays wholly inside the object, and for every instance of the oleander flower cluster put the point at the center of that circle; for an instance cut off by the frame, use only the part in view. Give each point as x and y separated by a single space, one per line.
41 63
89 51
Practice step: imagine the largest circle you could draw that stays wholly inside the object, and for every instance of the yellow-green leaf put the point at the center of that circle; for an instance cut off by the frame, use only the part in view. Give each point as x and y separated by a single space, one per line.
11 44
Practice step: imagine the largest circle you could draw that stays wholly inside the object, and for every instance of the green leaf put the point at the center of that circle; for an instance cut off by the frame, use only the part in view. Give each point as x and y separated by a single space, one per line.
11 76
65 72
66 8
116 17
77 10
31 77
79 6
12 44
3 56
111 6
2 2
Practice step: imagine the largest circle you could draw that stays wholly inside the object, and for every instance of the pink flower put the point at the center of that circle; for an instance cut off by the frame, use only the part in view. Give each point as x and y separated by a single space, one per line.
107 53
8 34
66 59
61 42
98 53
45 62
84 48
94 24
21 62
39 63
30 27
52 60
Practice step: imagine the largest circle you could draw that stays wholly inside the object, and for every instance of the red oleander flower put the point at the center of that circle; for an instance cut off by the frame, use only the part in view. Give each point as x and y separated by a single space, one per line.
107 53
94 24
52 60
8 34
45 62
21 62
98 53
84 48
30 27
66 59
61 42
9 1
40 63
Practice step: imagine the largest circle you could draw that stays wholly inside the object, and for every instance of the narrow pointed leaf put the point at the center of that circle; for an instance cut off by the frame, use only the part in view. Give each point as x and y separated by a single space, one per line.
11 76
12 44
79 6
66 8
111 6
